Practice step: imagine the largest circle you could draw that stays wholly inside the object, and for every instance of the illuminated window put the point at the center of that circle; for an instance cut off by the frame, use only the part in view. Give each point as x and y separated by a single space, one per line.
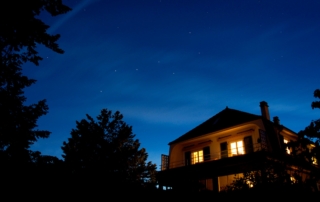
250 184
286 142
237 148
197 157
314 161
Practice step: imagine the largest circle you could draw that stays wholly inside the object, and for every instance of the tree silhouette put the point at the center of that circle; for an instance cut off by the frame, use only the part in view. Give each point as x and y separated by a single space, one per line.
21 30
313 130
308 146
20 33
106 149
304 157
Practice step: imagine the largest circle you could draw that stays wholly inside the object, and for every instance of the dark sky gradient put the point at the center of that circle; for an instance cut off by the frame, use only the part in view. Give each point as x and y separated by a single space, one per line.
169 65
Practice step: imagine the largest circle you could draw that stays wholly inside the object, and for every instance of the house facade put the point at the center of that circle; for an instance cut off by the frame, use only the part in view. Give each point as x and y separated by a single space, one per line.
224 147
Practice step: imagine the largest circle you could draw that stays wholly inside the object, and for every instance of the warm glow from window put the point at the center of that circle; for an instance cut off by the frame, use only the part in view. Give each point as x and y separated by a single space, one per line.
197 157
237 148
250 184
314 161
286 142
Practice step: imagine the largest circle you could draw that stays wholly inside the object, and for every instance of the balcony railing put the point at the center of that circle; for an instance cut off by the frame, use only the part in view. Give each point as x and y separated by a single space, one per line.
212 156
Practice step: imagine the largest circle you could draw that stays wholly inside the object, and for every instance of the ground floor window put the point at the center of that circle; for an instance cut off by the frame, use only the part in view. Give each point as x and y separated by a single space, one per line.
206 184
227 180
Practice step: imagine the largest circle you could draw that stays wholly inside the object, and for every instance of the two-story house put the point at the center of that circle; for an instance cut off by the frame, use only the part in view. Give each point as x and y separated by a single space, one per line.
226 145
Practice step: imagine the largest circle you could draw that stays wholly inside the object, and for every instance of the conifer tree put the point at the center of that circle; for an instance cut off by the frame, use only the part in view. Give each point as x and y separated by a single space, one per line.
20 32
106 148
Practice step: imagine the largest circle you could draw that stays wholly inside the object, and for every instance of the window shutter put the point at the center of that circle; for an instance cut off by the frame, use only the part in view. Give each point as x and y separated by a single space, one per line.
224 149
206 153
248 145
187 158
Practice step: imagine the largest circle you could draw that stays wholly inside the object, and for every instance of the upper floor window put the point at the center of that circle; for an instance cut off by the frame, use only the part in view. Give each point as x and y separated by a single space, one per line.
286 141
197 157
237 148
313 158
293 179
314 161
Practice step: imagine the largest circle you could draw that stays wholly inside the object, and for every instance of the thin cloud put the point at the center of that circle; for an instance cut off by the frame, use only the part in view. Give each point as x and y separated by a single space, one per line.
72 13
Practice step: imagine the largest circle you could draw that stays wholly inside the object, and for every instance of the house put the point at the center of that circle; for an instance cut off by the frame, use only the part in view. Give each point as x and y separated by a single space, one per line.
224 147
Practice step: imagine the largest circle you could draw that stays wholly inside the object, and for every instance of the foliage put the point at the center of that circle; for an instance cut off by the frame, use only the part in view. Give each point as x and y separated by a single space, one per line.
272 174
316 104
106 148
313 130
294 172
308 145
20 33
309 138
304 155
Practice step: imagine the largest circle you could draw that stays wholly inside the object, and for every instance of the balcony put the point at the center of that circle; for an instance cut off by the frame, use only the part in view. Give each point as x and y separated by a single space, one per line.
200 158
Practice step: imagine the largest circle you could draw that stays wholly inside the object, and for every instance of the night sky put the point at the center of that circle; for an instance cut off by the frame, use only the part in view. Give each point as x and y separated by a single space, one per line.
169 65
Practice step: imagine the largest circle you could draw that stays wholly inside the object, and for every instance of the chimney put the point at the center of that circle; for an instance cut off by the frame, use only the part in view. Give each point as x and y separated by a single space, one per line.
276 120
264 110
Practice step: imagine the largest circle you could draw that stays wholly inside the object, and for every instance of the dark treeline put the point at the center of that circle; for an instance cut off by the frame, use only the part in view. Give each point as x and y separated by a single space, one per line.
100 153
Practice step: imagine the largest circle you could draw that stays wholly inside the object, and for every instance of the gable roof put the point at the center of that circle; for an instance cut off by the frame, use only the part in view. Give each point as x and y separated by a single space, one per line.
224 119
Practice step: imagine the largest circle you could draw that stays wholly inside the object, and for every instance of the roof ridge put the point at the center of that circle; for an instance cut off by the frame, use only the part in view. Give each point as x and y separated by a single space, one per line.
224 119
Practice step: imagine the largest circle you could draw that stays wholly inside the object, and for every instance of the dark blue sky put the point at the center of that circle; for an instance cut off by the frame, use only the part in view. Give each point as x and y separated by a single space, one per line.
169 65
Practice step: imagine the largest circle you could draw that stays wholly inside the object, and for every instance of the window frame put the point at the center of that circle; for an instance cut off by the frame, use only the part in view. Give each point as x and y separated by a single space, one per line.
237 147
286 141
197 157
